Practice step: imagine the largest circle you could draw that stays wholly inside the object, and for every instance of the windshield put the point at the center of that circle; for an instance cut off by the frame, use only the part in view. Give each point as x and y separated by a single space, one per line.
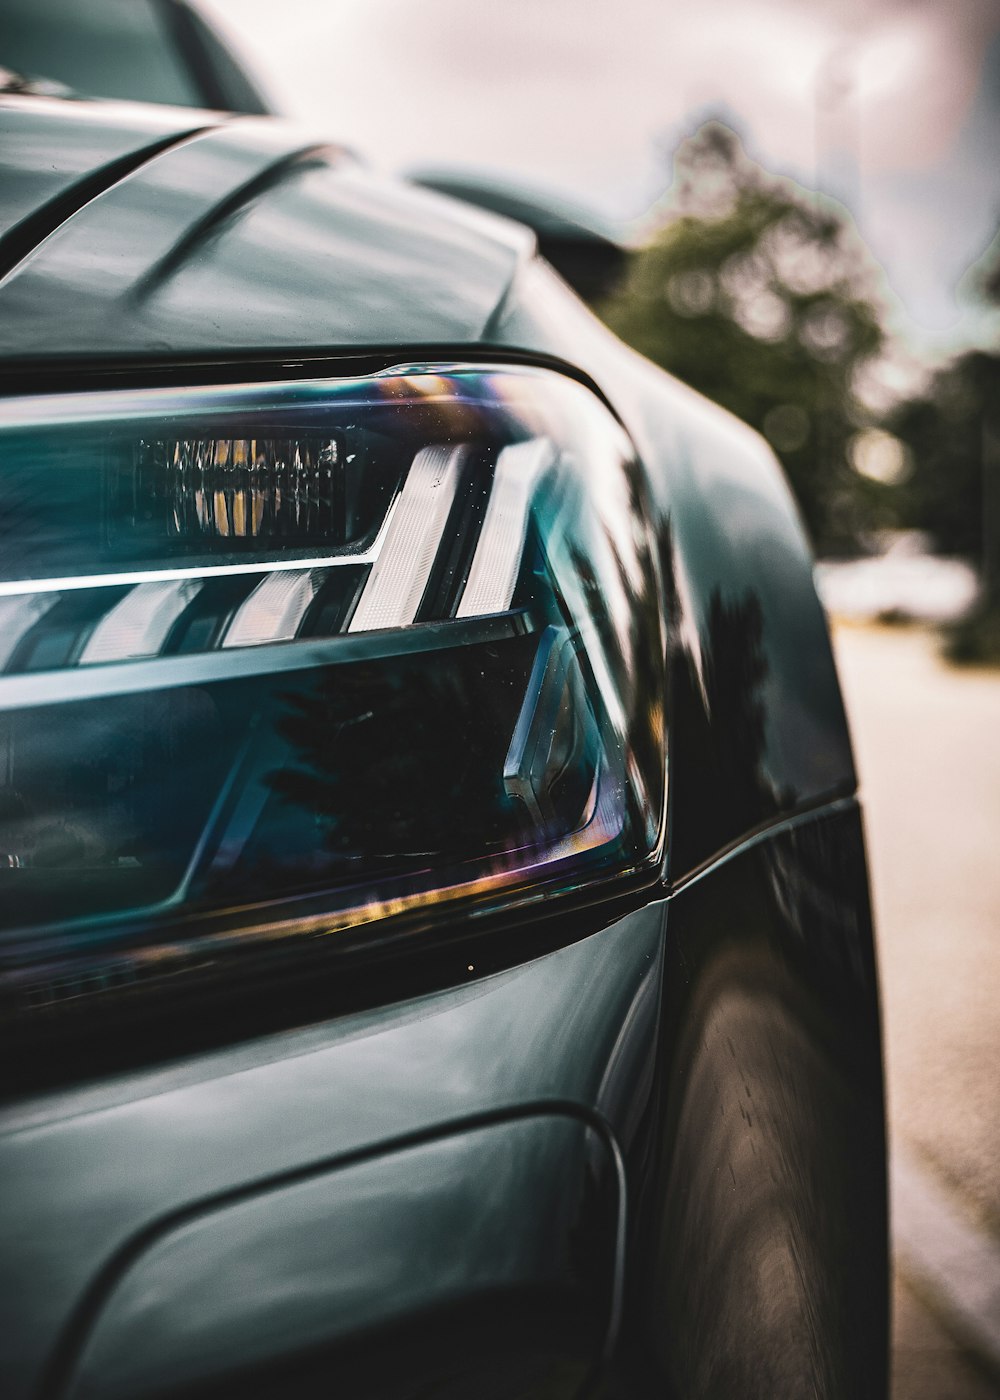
98 48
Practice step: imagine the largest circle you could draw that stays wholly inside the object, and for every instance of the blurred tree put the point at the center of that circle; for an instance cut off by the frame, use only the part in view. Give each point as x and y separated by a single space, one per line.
765 299
950 431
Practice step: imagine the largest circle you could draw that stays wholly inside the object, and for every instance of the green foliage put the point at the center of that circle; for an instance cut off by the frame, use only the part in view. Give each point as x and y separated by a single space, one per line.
763 299
948 430
953 433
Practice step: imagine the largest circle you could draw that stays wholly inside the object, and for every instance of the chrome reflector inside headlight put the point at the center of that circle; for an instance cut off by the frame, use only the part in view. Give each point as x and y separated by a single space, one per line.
299 658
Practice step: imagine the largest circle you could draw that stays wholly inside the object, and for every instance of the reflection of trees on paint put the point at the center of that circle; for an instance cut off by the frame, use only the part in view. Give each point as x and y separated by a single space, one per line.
648 687
102 800
635 654
400 760
718 755
735 670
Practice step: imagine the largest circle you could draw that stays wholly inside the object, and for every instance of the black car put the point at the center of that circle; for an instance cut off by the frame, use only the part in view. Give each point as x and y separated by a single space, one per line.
435 953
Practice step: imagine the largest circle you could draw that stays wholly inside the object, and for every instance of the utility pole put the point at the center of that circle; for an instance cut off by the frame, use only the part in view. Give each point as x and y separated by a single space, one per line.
838 126
837 153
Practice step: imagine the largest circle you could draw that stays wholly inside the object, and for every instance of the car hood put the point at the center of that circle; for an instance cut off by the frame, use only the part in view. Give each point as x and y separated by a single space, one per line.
130 231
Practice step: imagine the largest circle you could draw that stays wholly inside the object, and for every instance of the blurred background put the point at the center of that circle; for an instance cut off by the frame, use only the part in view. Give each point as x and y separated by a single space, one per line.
794 208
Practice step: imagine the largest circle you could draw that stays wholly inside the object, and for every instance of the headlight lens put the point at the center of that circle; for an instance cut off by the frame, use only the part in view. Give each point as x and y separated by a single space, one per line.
296 659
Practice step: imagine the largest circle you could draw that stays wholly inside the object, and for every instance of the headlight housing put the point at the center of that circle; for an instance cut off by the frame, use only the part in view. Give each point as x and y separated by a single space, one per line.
313 658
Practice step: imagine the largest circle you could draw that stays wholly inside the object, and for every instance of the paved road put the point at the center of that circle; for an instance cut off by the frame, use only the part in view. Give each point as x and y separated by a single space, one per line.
927 1362
927 741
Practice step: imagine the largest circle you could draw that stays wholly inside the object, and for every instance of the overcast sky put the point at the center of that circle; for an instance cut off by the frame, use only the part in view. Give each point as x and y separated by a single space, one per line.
893 105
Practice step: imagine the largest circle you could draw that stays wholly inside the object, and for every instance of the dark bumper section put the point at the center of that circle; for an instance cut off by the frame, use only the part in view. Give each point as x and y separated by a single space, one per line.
422 1200
504 1234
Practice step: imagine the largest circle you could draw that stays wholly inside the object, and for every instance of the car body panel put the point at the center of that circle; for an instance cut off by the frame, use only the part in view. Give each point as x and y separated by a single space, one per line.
728 1038
413 1233
49 150
91 1169
254 234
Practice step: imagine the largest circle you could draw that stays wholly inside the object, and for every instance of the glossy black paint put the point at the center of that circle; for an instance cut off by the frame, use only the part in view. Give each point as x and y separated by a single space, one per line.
296 1268
54 158
251 234
728 1039
726 1032
95 1168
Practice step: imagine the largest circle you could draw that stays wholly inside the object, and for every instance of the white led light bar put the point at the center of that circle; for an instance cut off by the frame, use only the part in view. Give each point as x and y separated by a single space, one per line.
497 561
275 609
399 577
140 623
17 616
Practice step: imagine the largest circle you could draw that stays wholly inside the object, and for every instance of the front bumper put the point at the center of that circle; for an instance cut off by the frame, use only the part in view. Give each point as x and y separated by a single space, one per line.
427 1198
452 1161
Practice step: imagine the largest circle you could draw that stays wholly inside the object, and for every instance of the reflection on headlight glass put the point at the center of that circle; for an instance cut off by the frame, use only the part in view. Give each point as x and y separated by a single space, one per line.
280 659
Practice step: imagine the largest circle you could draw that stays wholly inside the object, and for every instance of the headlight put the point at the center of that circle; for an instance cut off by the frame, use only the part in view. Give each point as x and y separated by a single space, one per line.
297 659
